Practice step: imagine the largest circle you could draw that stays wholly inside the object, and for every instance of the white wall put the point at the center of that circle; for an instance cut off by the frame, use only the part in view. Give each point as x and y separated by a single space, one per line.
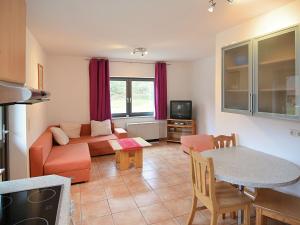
203 94
68 82
26 122
267 135
36 113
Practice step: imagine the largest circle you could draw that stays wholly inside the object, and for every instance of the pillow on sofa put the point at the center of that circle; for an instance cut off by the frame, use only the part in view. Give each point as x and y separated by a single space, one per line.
72 130
59 136
100 128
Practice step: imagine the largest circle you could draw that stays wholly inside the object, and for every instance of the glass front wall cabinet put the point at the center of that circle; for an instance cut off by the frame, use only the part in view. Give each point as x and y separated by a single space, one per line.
237 78
277 82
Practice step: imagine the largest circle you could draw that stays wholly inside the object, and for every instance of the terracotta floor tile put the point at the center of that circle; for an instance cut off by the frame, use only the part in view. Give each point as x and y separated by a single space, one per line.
121 204
157 183
95 209
103 220
179 207
76 215
198 220
75 189
146 198
113 181
150 174
75 198
132 178
167 222
167 193
137 187
175 179
155 213
117 191
130 217
91 186
93 196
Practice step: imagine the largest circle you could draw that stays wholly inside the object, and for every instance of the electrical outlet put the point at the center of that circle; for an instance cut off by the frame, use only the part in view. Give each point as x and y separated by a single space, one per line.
295 133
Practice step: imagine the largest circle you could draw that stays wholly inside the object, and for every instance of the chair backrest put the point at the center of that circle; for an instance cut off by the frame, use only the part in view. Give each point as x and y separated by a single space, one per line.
223 141
203 179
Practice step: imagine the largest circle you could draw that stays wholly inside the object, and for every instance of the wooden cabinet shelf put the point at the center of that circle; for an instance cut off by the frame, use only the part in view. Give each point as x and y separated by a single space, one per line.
275 61
233 90
236 68
178 127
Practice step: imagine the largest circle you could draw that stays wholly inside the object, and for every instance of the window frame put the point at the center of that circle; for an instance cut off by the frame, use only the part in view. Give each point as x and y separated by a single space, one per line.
128 81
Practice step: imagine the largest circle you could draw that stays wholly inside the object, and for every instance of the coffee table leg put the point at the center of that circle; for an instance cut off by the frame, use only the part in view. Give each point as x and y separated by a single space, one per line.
138 158
124 160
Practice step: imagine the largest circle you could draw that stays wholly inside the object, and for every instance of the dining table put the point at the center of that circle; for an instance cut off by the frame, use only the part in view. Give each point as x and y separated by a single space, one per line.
247 167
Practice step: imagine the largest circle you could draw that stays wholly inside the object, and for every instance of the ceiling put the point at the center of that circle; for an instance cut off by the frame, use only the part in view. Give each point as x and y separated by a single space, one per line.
169 29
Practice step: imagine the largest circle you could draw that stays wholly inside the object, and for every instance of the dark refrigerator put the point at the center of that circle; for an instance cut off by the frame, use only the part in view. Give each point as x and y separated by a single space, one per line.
3 144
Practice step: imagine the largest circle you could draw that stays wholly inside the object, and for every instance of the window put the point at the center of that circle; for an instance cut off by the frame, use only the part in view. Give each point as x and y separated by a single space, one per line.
132 96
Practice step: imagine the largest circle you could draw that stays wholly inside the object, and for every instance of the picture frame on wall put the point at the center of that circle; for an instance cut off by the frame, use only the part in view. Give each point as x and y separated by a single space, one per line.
40 77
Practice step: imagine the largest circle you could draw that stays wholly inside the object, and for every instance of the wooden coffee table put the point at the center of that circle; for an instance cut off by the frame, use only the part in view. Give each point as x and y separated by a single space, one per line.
127 150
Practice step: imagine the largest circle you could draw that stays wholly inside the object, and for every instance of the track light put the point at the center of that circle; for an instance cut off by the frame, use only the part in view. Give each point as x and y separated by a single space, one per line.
211 6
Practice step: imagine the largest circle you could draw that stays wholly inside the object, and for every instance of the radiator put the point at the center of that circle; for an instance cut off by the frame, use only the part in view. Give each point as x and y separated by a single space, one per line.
146 130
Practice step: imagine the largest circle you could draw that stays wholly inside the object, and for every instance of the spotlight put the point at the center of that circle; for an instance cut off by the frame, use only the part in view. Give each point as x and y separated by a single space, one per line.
211 6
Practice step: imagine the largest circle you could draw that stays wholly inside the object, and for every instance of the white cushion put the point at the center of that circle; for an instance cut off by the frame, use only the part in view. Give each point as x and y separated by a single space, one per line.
100 128
72 130
59 136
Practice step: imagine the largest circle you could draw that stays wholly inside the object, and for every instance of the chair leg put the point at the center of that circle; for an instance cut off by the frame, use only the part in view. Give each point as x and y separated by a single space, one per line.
214 219
223 216
260 219
193 210
233 215
247 215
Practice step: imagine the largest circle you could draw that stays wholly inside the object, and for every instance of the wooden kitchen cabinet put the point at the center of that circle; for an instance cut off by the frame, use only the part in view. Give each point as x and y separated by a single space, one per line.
12 40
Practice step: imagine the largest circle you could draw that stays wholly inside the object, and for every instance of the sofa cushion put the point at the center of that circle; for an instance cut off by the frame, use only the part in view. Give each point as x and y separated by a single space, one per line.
59 136
72 130
99 128
70 157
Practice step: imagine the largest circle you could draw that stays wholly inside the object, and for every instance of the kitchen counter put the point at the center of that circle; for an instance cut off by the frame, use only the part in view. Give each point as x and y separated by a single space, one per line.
41 182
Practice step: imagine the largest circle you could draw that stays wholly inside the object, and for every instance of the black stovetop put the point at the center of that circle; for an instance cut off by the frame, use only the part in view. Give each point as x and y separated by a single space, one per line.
32 207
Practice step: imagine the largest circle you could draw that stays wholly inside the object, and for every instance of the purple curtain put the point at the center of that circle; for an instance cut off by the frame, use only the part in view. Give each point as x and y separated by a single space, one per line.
160 91
99 90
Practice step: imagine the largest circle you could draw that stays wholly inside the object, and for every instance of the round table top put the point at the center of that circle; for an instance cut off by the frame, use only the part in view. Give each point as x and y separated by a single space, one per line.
247 167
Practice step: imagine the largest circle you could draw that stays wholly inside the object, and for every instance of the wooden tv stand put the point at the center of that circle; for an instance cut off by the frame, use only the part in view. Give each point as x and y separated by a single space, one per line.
179 127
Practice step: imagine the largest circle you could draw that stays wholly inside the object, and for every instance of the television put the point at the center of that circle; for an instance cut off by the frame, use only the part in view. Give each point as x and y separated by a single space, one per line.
181 109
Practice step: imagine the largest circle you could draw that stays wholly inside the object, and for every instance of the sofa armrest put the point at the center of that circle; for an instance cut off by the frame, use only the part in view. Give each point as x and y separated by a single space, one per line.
120 133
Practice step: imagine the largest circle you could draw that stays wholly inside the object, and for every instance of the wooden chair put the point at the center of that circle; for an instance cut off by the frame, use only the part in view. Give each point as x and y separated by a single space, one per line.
278 206
223 141
217 197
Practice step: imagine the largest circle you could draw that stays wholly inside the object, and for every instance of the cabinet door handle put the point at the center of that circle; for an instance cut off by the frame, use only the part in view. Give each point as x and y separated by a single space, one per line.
251 102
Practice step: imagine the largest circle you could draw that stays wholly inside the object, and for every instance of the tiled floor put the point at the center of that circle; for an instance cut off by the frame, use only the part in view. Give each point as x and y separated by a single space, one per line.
158 194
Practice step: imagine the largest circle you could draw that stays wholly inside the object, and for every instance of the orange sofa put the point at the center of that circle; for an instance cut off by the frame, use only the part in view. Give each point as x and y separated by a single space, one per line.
72 160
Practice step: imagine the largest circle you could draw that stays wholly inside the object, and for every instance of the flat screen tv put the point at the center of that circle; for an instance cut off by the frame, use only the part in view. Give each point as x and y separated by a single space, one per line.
181 109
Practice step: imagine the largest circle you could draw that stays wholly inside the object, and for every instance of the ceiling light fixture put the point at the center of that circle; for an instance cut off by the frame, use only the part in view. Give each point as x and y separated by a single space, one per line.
142 51
212 4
